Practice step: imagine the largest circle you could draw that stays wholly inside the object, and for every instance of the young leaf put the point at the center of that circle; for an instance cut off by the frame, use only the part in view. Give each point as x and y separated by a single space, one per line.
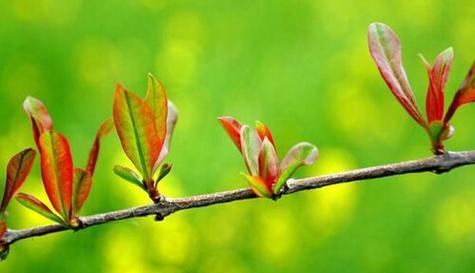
39 115
264 132
438 75
82 182
57 171
166 168
136 128
385 50
268 163
464 95
129 175
258 186
251 145
104 129
301 154
18 169
172 118
37 206
156 98
233 128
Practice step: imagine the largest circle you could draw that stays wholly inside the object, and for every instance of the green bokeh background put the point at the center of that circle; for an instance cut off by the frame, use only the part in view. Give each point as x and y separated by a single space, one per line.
303 68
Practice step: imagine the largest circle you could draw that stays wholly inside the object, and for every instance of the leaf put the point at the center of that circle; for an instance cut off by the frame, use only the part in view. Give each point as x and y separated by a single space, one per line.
18 169
250 144
264 132
82 182
37 206
258 186
438 75
39 115
129 175
464 95
57 171
136 128
156 98
233 128
385 50
3 229
104 129
268 163
301 154
164 171
172 119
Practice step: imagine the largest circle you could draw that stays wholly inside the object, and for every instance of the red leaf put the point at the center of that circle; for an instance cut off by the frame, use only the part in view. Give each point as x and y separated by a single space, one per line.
264 132
233 128
438 75
385 50
18 169
57 171
135 126
40 118
268 163
3 229
464 95
156 98
106 128
81 187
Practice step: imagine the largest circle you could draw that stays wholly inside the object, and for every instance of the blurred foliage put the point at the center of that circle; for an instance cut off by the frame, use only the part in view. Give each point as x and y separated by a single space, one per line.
303 68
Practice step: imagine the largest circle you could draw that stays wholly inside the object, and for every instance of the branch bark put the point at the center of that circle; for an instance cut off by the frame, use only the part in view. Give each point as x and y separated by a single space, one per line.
437 164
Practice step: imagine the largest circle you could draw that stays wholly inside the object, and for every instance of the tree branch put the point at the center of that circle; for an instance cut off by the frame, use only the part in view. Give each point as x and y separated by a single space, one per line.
437 164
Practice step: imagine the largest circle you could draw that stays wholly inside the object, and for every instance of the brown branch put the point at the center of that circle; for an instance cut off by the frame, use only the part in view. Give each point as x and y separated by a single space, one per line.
437 164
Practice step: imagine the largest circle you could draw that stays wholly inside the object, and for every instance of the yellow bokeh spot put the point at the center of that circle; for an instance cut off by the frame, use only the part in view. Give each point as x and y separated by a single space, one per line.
331 207
45 11
183 39
100 62
275 229
124 251
454 219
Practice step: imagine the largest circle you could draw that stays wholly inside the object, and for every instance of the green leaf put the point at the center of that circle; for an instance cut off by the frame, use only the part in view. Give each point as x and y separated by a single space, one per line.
301 154
258 186
129 176
166 168
156 98
250 144
38 207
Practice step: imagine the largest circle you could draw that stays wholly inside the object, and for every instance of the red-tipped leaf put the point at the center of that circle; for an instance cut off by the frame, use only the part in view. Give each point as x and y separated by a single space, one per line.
82 182
258 186
57 171
39 115
464 95
233 128
385 50
300 155
135 125
156 98
438 75
251 145
18 169
105 128
37 206
264 132
268 163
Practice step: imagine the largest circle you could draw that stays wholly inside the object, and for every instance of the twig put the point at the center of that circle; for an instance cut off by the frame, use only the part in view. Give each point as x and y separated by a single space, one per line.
437 164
